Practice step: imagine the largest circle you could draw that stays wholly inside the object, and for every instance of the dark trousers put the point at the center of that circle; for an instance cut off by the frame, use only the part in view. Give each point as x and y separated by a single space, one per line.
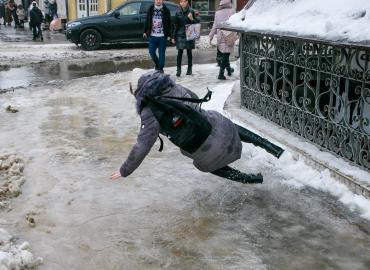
160 44
15 16
179 57
36 30
225 61
218 57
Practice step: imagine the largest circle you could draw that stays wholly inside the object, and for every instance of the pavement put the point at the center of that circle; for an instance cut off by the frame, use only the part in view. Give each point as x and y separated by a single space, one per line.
24 35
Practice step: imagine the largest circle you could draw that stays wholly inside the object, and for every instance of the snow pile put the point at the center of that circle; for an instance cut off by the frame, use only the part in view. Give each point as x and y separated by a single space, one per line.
11 178
15 257
330 19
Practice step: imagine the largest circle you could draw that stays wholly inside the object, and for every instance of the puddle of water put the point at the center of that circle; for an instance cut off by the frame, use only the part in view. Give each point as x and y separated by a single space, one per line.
17 77
42 73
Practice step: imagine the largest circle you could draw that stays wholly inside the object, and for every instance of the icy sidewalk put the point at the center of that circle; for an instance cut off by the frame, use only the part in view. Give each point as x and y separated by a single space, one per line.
167 214
323 169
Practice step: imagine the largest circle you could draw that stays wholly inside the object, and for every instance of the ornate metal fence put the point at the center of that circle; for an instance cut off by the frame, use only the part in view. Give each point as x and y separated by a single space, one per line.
318 90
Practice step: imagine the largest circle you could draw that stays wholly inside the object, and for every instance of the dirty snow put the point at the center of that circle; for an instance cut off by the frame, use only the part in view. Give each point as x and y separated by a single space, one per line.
13 256
341 20
23 54
11 178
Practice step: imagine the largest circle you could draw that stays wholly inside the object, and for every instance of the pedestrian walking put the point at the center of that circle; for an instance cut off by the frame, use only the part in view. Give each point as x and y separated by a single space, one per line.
47 14
185 15
8 12
2 12
13 9
157 30
223 13
211 140
36 19
21 13
53 9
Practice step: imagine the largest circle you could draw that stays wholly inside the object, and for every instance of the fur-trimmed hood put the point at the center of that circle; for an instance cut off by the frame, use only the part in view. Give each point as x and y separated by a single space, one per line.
152 84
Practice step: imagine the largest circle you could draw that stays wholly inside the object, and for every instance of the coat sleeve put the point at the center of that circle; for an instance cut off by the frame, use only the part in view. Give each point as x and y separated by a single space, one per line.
148 134
169 22
195 19
214 28
146 25
175 27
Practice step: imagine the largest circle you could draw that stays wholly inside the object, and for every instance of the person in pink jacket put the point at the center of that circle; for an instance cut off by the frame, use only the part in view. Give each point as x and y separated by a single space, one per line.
223 13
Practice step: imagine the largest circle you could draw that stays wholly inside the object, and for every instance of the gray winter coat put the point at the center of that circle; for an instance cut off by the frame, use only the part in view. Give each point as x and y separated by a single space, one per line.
222 147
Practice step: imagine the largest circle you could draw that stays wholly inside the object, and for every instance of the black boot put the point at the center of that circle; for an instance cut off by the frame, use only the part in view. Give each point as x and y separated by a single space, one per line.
221 75
230 71
178 71
237 176
189 71
250 137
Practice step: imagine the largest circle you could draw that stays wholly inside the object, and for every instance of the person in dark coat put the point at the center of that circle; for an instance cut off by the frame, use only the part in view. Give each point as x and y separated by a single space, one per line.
185 15
2 11
222 146
158 29
36 19
53 9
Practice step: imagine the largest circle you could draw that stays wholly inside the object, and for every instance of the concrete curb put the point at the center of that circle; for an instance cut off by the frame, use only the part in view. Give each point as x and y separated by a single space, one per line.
355 185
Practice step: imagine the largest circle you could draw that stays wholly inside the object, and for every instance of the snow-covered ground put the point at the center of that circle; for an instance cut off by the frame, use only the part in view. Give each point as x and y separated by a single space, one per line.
167 214
343 20
24 54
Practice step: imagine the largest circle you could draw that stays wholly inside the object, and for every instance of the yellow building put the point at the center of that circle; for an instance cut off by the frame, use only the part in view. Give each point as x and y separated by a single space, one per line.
83 8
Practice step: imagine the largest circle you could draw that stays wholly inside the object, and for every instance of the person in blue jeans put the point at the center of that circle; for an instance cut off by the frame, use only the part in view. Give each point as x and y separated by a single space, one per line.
158 30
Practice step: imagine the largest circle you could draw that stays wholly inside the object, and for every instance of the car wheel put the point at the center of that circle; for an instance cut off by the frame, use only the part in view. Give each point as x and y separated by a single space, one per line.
90 39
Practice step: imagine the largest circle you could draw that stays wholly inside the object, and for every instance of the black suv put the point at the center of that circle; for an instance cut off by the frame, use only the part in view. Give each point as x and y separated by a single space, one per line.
122 24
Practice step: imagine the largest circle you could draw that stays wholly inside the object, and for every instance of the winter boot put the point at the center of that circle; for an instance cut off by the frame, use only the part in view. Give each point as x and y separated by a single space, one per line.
221 75
250 137
230 71
178 71
189 71
42 38
238 176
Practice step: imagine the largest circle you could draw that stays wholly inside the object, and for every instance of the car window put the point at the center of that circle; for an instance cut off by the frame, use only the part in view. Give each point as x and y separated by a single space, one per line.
145 6
130 9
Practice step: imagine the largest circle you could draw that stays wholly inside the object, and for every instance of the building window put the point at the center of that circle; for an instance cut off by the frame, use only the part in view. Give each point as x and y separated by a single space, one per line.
93 5
82 5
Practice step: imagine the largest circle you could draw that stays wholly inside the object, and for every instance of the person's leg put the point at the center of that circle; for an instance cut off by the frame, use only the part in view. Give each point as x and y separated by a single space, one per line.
40 32
34 32
250 137
179 60
218 57
237 176
153 45
190 61
162 52
229 69
221 75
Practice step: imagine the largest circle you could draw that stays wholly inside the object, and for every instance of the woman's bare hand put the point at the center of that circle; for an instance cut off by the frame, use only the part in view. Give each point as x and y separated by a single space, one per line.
116 175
